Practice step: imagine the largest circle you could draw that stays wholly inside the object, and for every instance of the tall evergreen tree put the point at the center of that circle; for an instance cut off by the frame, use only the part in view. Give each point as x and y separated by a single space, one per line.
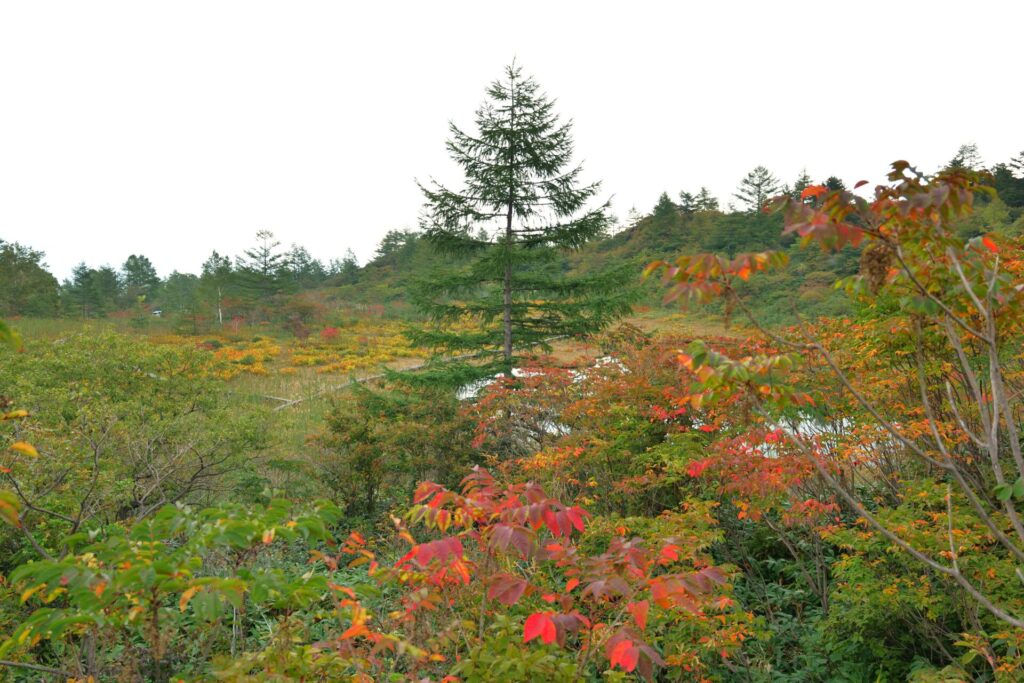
301 269
1017 166
521 208
687 202
107 289
967 157
345 271
139 278
802 182
705 200
259 273
92 291
834 184
665 208
756 189
77 292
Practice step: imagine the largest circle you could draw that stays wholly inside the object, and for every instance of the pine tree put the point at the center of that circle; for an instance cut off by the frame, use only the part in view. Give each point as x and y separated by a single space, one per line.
77 292
665 208
705 201
139 278
345 271
106 289
834 184
301 269
967 157
802 182
1017 166
521 208
756 189
687 202
259 273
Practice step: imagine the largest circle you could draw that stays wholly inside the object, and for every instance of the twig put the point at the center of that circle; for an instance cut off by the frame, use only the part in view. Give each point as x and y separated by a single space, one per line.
37 667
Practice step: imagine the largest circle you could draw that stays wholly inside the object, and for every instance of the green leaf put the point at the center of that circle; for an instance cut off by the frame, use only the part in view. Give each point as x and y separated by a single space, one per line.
1003 492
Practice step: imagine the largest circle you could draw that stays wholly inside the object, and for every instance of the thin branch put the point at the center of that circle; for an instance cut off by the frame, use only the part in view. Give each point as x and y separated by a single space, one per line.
951 572
37 667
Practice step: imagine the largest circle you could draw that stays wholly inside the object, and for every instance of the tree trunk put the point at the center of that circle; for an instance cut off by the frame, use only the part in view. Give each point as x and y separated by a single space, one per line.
507 301
507 313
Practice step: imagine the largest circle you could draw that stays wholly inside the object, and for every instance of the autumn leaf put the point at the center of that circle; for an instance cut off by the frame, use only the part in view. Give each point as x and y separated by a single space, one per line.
639 611
354 631
696 467
29 592
188 595
989 244
540 624
624 655
813 191
506 589
25 449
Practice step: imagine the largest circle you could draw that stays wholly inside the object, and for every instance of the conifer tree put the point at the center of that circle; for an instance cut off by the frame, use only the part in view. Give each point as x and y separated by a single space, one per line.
259 271
967 157
803 181
705 200
834 184
665 208
756 189
687 202
521 208
139 278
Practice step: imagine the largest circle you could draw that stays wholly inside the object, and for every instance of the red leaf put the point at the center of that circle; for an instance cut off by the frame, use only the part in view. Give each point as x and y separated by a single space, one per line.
624 655
518 537
989 244
669 553
443 549
576 515
424 491
540 624
697 467
506 589
639 611
571 584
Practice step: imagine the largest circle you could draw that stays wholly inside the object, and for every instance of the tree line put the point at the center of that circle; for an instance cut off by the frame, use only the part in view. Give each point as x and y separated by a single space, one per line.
225 286
265 275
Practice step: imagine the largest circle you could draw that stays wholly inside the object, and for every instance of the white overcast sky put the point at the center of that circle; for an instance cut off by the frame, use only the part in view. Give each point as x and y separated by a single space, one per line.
174 128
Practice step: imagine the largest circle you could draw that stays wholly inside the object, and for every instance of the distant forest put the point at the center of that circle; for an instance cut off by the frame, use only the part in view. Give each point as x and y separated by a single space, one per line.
268 282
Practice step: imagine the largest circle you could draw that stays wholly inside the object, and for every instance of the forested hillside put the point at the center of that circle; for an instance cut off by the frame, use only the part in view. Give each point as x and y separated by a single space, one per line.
766 438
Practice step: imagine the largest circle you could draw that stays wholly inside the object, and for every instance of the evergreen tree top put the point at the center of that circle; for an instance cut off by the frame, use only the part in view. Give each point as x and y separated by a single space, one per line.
516 167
